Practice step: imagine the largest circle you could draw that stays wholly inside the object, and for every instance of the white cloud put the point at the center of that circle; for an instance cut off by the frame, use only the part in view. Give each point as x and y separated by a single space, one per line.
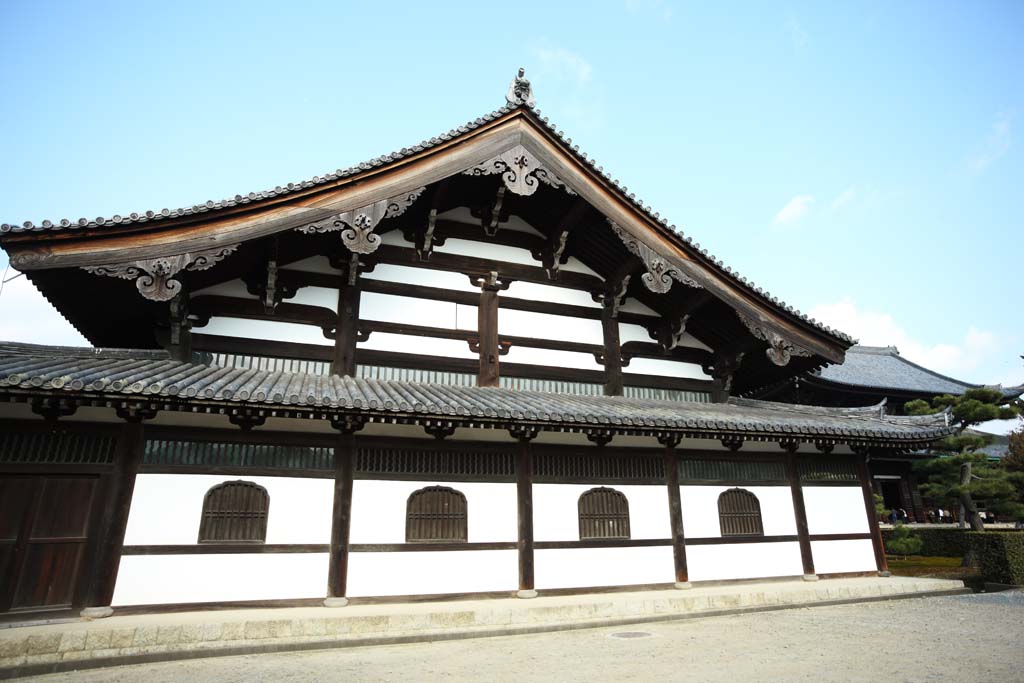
874 328
560 64
844 198
25 316
796 32
996 144
794 210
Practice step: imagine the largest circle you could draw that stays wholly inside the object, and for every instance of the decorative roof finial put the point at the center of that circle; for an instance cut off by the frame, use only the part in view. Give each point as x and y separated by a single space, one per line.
519 91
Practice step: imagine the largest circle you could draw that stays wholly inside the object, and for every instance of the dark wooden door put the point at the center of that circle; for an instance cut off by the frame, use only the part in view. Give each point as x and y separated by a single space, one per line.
44 526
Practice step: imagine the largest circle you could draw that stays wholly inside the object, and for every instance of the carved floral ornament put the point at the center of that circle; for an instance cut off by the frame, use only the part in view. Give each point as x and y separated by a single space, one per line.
660 272
520 171
779 350
357 225
154 277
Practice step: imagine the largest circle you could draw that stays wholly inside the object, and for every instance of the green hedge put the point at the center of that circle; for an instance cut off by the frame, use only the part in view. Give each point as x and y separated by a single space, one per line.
940 542
1000 555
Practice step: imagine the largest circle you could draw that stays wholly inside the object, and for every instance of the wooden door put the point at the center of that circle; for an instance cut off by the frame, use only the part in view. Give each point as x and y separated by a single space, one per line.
44 525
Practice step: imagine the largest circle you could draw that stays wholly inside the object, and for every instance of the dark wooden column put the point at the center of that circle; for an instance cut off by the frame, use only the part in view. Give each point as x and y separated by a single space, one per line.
869 509
722 367
347 331
179 335
131 443
675 510
793 474
487 329
341 517
524 494
612 347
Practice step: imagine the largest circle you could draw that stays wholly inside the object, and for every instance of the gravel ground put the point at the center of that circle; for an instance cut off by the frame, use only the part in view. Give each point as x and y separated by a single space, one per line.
959 638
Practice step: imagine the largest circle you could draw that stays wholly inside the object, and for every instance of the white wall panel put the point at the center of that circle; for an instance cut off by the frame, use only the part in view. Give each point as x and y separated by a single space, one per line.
408 310
700 510
378 510
630 332
583 567
833 557
265 329
488 250
665 368
235 288
550 293
431 572
166 508
430 346
743 561
556 511
835 510
316 296
158 579
422 276
546 326
558 359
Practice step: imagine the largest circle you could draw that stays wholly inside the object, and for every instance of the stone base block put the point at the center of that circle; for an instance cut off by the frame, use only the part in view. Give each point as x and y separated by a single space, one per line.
526 594
683 585
96 612
810 577
335 602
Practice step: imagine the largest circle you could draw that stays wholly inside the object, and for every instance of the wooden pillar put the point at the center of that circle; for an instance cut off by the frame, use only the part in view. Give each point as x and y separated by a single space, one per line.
487 329
675 509
524 495
341 517
869 509
612 348
131 443
347 331
800 511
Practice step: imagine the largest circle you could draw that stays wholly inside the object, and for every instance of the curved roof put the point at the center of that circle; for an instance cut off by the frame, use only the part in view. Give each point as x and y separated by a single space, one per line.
110 226
882 367
152 375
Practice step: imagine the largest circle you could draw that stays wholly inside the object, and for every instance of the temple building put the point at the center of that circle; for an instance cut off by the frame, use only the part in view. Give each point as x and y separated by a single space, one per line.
476 365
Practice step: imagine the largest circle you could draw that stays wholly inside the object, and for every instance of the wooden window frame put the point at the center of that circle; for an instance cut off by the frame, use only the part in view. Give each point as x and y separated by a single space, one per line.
745 517
248 519
448 522
612 507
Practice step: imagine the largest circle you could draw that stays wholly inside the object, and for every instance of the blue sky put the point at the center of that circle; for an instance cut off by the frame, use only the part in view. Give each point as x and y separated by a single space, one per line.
861 161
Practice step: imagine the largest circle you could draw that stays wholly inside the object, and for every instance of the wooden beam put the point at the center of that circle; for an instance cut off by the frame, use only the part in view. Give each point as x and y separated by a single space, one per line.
869 508
207 306
793 474
675 510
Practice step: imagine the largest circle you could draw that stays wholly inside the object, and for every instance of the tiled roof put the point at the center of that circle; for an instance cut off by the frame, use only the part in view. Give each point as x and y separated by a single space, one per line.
882 367
126 374
238 200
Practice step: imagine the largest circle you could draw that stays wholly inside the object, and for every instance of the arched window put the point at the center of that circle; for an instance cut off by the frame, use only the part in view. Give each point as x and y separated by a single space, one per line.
436 514
739 513
235 512
604 513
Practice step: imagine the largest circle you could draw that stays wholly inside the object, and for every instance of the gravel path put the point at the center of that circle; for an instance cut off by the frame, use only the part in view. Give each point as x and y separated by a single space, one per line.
960 638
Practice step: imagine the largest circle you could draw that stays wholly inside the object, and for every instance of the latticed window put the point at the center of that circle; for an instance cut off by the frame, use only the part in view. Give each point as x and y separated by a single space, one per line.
436 514
235 512
604 513
739 513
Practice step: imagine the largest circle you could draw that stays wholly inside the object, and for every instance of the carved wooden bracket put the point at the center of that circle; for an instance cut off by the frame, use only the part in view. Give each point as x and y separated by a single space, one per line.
357 225
599 437
523 433
660 272
503 346
520 171
789 445
348 424
247 419
154 278
491 282
133 413
440 431
669 440
614 297
825 446
733 443
780 350
670 334
51 407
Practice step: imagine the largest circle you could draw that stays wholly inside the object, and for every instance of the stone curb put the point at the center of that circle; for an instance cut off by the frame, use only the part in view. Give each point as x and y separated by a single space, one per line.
81 649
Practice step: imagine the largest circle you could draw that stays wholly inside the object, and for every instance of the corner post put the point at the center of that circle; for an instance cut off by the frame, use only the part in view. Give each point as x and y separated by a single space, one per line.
524 495
341 516
863 455
346 334
131 444
675 509
799 510
487 330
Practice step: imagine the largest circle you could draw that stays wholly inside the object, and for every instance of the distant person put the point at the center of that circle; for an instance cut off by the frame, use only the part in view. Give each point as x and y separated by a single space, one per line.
893 517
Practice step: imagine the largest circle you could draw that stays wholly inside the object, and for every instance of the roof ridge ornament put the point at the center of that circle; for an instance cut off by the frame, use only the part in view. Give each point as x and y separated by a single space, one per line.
520 91
356 225
780 350
154 277
660 272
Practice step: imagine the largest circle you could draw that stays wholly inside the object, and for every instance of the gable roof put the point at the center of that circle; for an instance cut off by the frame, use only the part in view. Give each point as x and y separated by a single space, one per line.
306 202
882 367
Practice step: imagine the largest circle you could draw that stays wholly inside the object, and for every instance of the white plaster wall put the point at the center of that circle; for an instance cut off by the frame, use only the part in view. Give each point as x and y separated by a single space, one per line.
584 567
743 560
422 276
235 288
550 293
835 510
486 250
430 572
556 511
558 359
265 329
379 507
832 557
159 579
665 368
316 296
629 332
700 510
547 326
166 508
430 346
408 310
